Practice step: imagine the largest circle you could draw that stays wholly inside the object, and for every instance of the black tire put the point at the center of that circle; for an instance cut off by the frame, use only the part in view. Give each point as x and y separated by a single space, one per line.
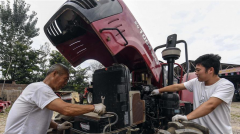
234 98
186 127
80 98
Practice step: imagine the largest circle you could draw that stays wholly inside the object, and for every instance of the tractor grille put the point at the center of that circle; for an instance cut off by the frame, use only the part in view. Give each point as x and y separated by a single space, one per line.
86 4
54 29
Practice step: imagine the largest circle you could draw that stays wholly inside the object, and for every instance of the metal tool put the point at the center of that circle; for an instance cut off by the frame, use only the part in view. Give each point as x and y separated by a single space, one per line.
103 98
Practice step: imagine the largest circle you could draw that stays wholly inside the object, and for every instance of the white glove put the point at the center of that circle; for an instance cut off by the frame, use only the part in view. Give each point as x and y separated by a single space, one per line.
155 92
99 108
64 125
179 117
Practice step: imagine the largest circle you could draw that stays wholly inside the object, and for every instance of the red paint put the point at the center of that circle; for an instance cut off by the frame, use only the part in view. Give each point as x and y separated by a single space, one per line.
108 47
138 48
187 95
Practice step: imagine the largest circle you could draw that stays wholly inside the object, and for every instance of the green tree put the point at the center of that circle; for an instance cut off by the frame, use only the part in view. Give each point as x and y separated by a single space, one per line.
17 28
78 76
44 53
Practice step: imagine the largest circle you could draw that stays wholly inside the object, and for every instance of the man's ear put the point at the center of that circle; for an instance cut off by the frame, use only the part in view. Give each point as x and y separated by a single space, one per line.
211 70
55 73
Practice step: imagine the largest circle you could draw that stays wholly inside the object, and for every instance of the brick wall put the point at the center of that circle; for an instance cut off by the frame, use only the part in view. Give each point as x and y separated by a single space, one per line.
11 91
14 86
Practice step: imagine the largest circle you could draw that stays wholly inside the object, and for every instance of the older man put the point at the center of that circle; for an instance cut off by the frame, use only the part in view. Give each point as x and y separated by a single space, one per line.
32 111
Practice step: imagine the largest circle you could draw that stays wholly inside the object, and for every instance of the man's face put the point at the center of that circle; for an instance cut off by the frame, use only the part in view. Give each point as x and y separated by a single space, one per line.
201 73
60 80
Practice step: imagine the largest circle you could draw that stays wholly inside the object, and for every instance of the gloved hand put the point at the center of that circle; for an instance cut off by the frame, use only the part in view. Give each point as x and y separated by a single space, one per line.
155 92
64 125
179 117
99 108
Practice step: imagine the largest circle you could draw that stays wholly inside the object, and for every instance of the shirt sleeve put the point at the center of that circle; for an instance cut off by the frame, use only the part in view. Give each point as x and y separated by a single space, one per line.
224 92
43 96
189 84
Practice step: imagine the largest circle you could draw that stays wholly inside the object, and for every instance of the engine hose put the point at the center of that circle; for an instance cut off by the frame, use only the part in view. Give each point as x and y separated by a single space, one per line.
111 123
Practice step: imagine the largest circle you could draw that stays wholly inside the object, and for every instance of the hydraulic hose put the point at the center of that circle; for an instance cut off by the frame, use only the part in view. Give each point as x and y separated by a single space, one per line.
111 123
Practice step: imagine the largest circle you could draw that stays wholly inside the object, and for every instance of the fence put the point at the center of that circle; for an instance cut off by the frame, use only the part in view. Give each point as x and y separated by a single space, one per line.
10 95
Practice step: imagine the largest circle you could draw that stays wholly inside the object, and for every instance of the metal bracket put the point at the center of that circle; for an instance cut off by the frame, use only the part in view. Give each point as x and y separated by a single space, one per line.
101 30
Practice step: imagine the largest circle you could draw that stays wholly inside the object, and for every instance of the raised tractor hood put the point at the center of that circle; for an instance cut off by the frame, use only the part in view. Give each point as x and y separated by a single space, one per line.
104 30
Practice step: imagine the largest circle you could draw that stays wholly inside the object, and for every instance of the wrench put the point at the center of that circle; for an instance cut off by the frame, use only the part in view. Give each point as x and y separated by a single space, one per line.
103 98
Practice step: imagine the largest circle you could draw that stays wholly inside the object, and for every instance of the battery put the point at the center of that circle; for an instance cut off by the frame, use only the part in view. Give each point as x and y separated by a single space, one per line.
92 122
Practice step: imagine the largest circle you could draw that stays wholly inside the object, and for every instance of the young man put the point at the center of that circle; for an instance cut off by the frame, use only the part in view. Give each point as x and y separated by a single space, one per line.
32 111
212 96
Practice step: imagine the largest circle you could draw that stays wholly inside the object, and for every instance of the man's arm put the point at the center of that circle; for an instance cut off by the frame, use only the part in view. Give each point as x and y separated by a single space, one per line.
204 109
69 109
172 88
53 124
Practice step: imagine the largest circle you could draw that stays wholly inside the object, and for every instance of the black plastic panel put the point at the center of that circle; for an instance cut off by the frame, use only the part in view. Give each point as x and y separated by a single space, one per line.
114 84
103 9
73 18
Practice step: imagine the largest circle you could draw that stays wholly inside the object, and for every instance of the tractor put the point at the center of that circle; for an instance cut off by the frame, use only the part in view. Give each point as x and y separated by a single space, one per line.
106 31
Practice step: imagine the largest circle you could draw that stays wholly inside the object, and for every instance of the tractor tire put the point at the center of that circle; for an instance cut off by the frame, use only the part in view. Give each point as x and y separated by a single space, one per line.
186 127
81 98
234 99
89 97
4 110
163 132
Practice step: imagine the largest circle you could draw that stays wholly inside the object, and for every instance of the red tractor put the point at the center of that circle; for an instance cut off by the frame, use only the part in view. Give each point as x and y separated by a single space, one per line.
4 105
86 95
106 31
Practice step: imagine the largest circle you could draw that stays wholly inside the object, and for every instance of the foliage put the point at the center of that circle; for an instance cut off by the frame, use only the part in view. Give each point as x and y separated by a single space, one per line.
43 65
17 28
26 65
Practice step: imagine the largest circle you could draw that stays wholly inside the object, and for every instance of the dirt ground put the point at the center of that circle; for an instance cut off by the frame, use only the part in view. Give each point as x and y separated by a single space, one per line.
235 116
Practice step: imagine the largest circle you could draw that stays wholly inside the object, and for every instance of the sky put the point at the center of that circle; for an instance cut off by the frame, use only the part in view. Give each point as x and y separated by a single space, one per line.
207 26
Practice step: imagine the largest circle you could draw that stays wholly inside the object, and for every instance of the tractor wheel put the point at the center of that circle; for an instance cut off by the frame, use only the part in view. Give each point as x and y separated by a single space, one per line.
186 127
234 98
80 98
89 98
4 109
160 131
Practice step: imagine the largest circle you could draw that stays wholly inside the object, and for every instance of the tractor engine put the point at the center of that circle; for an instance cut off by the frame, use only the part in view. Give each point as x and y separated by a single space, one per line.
133 105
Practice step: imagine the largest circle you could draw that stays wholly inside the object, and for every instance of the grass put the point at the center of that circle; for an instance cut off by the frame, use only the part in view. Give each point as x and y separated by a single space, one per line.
3 118
6 112
235 115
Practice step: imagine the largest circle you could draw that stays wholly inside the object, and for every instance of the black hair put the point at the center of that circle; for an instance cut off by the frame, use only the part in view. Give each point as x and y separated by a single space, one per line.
208 61
60 68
